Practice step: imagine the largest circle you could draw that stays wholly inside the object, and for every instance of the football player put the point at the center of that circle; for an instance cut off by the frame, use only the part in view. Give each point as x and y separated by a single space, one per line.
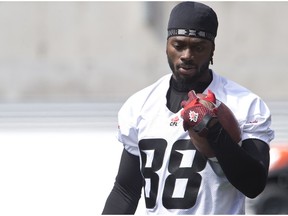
194 141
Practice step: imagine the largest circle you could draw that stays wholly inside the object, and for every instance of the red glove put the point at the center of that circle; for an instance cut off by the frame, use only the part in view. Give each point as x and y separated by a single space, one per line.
198 111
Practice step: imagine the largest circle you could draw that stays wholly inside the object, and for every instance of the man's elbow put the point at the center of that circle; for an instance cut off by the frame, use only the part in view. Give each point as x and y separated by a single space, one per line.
255 186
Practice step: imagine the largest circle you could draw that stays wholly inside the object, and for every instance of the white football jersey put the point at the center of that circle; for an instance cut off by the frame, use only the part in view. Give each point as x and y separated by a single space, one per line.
178 179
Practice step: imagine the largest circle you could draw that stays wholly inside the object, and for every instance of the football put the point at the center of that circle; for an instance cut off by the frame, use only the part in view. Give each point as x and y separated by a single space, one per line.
229 122
226 118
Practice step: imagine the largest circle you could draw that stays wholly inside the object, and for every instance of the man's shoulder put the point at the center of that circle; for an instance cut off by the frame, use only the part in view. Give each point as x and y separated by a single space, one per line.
230 87
158 87
232 93
222 80
149 95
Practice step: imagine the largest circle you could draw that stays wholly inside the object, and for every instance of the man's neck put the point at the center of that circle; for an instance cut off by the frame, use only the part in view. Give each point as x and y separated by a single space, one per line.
198 85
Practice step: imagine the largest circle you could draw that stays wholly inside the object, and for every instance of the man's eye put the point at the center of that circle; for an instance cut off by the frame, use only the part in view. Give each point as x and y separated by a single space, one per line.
199 48
177 46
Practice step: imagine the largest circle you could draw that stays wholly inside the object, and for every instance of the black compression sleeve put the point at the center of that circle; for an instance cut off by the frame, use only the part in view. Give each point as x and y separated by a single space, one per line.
245 167
126 192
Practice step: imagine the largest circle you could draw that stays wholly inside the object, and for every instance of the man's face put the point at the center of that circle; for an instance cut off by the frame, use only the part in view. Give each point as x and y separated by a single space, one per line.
189 57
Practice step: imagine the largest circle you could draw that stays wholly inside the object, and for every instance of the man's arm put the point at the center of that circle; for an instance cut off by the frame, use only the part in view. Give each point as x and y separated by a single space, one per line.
126 192
246 167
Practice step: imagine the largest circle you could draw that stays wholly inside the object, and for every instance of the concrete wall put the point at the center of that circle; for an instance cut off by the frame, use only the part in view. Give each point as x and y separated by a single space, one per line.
99 51
251 47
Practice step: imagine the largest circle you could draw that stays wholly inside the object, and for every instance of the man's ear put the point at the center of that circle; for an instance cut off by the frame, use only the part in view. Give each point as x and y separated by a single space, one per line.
212 54
167 47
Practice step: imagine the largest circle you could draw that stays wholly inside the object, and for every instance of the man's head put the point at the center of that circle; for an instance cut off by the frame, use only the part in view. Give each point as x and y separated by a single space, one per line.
192 28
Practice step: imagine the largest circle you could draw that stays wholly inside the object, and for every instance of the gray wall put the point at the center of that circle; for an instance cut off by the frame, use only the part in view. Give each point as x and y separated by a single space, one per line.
105 51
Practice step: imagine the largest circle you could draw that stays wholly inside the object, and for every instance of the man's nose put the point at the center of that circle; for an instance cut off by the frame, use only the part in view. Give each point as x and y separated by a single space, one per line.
187 54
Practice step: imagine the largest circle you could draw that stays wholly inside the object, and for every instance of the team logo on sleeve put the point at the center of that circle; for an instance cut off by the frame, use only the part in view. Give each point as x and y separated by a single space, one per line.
174 121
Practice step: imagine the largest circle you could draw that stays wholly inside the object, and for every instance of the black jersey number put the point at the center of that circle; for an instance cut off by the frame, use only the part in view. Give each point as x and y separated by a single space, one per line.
184 166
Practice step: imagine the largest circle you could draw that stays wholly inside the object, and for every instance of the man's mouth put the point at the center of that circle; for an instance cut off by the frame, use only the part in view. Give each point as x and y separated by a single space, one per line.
187 66
187 69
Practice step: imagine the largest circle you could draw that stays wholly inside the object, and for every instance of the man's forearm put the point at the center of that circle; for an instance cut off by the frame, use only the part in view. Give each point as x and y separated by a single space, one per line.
126 192
245 167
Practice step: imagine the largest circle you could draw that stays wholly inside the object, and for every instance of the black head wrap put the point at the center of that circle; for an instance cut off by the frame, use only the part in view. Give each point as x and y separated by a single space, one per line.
193 19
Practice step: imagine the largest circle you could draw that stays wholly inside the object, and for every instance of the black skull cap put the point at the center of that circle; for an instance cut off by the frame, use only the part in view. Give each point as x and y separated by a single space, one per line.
193 19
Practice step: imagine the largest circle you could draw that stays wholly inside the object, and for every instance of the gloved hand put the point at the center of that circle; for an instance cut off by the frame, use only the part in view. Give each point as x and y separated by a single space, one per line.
198 111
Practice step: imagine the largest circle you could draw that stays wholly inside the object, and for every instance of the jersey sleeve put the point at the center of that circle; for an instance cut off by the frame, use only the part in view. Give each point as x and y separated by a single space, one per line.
258 122
127 128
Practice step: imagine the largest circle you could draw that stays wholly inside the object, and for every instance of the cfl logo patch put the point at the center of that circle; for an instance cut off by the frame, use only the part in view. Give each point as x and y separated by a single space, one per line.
174 121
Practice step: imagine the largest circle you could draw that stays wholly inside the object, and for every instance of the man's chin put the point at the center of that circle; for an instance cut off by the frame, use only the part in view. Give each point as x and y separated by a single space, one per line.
186 78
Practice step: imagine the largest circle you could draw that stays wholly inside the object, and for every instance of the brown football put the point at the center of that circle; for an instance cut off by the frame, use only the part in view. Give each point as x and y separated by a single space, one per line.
227 120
